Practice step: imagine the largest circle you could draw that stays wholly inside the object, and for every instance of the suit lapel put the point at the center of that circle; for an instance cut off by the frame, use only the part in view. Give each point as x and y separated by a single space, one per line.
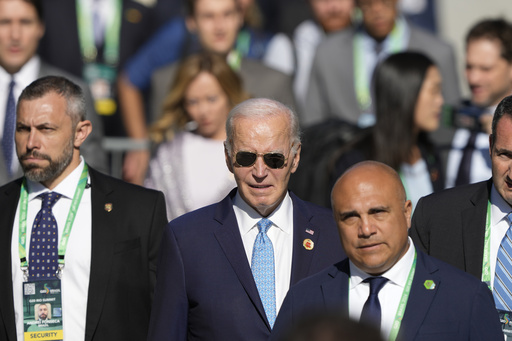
305 236
8 201
103 233
420 298
335 290
473 229
228 236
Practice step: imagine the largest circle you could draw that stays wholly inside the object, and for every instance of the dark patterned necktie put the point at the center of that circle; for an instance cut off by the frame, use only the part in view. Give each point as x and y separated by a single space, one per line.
44 252
371 310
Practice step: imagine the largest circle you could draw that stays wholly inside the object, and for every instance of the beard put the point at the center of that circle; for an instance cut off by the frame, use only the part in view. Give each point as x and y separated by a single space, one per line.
35 173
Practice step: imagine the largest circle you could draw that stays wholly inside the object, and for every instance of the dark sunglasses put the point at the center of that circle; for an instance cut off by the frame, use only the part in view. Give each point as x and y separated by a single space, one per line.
272 160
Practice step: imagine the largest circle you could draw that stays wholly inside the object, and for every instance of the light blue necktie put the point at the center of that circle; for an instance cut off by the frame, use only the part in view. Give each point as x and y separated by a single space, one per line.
503 279
9 125
262 267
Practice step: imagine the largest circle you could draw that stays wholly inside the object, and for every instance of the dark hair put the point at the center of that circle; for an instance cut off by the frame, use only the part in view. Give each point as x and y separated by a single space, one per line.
398 81
504 108
494 29
190 6
73 94
174 115
38 4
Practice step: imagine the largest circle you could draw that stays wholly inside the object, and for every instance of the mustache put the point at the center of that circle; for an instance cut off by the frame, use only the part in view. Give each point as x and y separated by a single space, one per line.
35 154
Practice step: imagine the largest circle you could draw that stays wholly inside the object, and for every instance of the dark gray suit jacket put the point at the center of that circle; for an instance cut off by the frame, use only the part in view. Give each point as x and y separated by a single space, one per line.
258 80
125 244
331 91
450 225
91 150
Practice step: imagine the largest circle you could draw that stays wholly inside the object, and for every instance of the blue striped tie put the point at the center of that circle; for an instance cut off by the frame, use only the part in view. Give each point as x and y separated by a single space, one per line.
503 279
262 267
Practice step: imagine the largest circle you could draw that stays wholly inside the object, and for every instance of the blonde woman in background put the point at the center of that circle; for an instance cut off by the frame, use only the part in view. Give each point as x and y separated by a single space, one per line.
189 164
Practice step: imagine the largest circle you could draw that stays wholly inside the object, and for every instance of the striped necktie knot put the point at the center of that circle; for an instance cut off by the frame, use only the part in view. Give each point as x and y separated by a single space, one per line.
509 218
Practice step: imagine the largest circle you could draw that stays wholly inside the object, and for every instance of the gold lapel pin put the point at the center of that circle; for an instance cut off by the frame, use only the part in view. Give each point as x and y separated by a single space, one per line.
308 244
108 207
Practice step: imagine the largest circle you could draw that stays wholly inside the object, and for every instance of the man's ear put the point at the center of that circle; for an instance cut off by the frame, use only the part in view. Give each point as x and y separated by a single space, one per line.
82 130
191 25
228 159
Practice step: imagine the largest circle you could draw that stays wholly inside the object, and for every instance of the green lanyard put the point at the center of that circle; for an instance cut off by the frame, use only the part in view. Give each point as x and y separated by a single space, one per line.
86 36
362 77
403 301
67 228
486 263
243 42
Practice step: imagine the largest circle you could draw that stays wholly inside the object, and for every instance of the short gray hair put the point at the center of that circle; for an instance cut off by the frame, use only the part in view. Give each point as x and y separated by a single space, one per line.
262 108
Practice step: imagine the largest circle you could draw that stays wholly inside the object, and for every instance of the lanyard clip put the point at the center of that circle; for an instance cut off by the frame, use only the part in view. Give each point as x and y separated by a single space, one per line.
58 274
24 270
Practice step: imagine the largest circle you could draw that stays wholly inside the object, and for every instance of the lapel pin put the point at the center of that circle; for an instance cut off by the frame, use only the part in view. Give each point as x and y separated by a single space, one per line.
429 284
308 244
311 232
108 207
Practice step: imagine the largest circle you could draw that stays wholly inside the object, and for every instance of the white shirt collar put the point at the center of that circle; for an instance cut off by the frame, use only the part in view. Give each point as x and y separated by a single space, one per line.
26 75
499 207
66 187
397 274
248 217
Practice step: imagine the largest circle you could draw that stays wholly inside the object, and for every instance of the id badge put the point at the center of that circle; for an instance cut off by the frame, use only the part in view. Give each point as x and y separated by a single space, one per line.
506 323
42 310
101 79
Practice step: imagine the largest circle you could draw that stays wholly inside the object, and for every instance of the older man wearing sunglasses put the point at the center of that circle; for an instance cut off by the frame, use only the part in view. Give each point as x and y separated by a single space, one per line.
225 269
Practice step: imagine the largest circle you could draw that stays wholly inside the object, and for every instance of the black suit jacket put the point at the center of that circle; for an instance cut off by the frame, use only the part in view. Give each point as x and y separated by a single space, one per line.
205 288
125 243
450 225
60 45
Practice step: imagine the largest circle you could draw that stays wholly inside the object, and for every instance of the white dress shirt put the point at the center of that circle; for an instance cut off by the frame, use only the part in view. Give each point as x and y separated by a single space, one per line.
27 74
416 180
75 276
389 295
280 233
499 226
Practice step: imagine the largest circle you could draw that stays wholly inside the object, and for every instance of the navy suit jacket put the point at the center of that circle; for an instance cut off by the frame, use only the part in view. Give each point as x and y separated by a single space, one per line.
125 244
450 225
460 307
205 289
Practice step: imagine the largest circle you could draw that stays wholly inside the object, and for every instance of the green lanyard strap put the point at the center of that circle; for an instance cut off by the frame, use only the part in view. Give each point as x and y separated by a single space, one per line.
67 228
486 263
86 36
361 76
403 301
